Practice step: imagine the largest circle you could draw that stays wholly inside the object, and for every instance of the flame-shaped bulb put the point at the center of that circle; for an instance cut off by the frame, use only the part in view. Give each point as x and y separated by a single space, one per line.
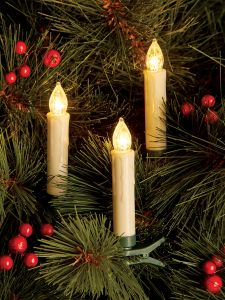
58 101
121 136
154 58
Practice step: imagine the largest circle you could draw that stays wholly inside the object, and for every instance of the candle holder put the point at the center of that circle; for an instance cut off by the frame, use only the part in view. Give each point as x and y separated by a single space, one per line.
141 255
155 153
127 242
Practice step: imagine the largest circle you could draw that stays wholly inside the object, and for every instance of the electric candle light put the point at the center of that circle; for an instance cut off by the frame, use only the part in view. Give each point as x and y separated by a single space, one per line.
58 140
155 99
123 181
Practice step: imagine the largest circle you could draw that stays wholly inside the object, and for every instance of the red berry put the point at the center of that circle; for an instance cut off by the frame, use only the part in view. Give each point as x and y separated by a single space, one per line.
6 262
187 108
208 101
30 260
18 244
26 229
217 260
52 58
21 47
10 77
213 284
24 71
47 229
211 117
209 267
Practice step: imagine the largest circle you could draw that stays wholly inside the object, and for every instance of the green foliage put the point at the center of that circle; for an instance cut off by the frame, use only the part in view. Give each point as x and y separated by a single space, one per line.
31 91
193 249
106 53
21 168
88 186
11 287
84 257
102 44
88 104
103 49
191 175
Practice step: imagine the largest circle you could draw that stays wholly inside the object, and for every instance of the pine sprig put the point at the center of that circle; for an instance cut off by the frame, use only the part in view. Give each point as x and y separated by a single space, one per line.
88 187
194 248
88 104
191 180
25 92
106 33
84 257
21 167
11 288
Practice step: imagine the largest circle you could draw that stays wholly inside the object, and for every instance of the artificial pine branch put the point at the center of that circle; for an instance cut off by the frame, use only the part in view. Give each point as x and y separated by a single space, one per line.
190 179
88 186
84 257
21 168
110 30
12 289
194 247
87 103
25 93
98 63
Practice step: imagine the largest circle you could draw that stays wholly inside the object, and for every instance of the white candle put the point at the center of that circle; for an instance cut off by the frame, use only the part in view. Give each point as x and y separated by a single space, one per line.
123 181
155 99
58 140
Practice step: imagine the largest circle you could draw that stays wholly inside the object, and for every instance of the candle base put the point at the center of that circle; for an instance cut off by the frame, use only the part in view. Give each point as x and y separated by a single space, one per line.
155 153
128 242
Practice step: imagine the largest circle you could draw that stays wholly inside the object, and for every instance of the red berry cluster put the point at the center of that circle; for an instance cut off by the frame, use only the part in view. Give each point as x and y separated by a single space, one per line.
211 116
24 69
51 59
207 101
213 283
18 244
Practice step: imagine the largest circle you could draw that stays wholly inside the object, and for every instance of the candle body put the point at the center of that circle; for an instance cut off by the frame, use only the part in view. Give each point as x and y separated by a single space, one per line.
57 151
123 183
155 119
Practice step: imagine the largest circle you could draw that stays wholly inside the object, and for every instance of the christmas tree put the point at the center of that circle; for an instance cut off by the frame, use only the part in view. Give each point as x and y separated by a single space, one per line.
61 234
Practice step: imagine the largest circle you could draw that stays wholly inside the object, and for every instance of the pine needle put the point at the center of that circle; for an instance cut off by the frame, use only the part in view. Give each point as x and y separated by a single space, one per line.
20 171
84 257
